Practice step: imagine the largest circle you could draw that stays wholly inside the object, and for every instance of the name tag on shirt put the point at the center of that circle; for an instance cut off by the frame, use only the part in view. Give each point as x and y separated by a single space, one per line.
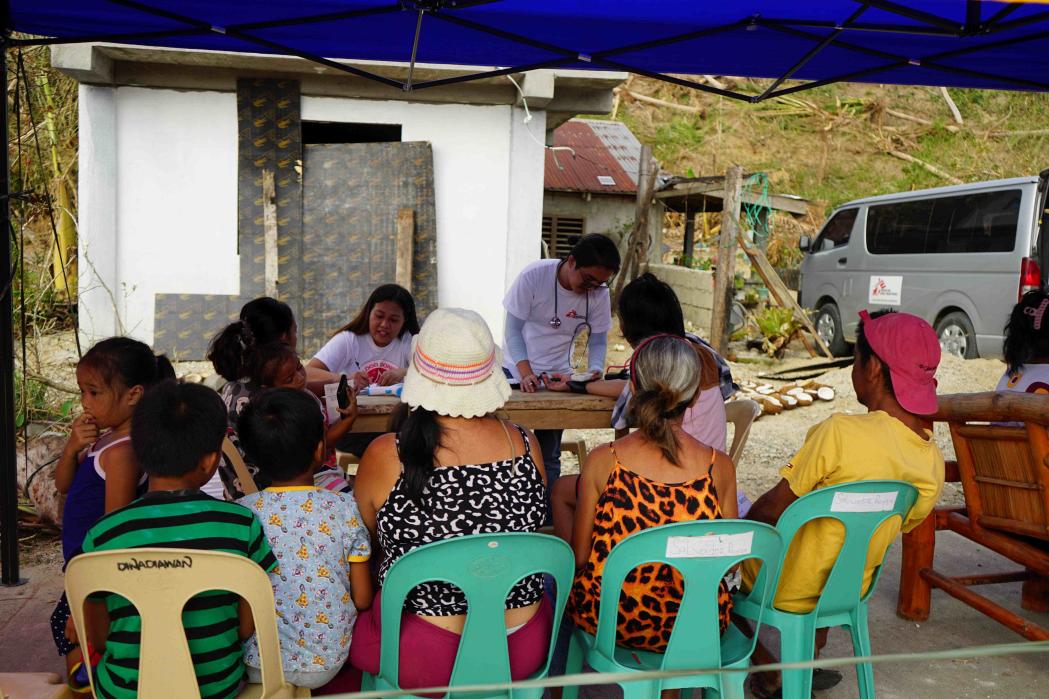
863 502
710 546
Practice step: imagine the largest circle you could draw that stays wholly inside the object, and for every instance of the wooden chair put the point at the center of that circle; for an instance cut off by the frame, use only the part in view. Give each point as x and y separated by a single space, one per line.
577 446
159 590
1004 472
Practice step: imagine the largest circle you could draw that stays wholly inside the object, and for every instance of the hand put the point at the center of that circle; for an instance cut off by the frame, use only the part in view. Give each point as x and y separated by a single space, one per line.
350 411
360 380
71 631
530 383
557 382
83 434
392 376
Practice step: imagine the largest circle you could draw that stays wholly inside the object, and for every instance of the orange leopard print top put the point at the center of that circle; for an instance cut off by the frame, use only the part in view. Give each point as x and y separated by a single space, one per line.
651 594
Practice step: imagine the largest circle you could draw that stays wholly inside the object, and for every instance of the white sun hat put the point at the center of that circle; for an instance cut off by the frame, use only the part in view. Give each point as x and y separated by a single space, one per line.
456 368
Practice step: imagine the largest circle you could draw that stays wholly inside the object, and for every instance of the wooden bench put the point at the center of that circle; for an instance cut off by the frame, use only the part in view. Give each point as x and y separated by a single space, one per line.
1004 472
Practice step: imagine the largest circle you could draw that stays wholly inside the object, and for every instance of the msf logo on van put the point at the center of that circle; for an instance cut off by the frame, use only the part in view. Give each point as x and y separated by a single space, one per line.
885 291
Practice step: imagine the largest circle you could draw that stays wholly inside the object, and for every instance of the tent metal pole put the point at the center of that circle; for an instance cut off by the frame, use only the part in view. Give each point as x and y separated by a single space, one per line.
873 28
813 52
918 15
8 462
1001 14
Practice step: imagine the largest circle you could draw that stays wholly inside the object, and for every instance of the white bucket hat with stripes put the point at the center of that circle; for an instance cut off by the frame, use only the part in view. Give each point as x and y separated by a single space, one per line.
456 368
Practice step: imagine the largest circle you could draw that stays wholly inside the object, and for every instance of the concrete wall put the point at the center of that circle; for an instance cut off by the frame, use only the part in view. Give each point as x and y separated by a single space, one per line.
695 291
606 213
158 197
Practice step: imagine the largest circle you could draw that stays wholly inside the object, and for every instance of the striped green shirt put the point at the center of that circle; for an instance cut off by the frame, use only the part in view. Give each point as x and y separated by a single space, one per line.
179 519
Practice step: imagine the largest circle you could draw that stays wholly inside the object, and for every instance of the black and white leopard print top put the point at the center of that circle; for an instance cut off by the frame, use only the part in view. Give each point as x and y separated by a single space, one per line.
502 496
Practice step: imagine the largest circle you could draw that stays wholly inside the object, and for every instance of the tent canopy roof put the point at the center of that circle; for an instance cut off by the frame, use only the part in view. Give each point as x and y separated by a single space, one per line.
963 43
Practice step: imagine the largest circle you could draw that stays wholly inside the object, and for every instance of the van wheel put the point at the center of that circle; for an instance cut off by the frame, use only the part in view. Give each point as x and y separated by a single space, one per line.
957 336
828 327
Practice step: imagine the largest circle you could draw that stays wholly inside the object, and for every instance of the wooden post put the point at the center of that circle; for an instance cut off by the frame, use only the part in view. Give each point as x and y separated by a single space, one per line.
724 277
269 228
637 249
915 596
405 245
688 250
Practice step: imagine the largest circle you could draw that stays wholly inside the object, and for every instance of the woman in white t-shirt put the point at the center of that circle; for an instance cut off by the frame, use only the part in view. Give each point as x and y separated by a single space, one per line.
374 347
548 303
1026 346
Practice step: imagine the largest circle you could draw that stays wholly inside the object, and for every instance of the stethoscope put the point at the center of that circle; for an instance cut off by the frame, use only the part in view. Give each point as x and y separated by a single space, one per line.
555 322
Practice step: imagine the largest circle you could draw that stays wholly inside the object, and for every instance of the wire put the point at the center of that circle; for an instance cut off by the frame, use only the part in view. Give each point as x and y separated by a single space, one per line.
21 274
528 119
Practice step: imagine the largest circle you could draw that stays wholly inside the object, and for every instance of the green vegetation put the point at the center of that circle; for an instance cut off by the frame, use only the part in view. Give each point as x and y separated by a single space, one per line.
837 143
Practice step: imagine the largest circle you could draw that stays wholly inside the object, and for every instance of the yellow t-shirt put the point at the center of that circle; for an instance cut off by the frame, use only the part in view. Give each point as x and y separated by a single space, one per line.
845 449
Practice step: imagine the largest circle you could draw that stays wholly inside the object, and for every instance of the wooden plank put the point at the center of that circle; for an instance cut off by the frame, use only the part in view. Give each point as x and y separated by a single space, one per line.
782 294
536 411
724 275
1028 629
637 247
269 231
714 195
1005 406
405 245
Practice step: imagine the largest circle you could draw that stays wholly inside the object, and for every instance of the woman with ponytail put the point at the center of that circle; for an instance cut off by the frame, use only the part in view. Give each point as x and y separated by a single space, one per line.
232 352
656 475
452 469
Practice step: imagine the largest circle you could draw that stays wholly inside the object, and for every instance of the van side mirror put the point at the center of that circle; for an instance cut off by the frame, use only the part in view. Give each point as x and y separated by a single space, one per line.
805 243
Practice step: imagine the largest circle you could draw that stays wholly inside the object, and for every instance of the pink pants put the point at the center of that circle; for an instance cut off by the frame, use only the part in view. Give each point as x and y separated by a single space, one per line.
427 652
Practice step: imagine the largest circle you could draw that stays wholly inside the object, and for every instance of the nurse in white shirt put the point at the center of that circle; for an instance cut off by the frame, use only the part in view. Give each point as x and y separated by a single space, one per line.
548 303
373 348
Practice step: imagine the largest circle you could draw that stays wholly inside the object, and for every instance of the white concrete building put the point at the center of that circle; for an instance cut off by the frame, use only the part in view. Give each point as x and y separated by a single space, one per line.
158 181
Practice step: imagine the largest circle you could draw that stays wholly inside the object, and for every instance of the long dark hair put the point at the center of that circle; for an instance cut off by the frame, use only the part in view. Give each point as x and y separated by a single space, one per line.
123 363
1023 342
387 292
262 320
648 306
419 438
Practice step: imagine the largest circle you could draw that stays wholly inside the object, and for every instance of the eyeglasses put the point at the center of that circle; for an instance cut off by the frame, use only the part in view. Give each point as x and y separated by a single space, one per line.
592 282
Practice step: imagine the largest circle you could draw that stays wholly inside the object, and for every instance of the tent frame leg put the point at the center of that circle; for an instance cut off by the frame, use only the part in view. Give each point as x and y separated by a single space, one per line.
9 573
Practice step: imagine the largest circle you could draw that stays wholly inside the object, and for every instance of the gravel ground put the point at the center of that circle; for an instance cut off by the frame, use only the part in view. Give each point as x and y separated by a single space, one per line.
774 439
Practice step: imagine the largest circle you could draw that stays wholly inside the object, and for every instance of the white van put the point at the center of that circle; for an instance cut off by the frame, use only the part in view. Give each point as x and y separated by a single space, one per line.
959 257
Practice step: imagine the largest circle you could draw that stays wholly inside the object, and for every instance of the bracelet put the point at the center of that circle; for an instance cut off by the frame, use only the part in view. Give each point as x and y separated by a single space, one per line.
577 386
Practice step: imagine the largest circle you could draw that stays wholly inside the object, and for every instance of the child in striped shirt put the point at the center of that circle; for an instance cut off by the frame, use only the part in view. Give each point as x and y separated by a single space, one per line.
176 433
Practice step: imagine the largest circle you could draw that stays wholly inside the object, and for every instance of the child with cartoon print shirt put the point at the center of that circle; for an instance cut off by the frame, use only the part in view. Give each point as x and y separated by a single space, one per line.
321 545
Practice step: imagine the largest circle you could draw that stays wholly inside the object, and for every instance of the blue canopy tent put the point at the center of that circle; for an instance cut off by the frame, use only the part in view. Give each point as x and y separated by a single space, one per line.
959 43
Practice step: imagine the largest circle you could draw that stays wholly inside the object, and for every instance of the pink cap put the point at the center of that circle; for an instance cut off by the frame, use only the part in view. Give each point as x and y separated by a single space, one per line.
911 349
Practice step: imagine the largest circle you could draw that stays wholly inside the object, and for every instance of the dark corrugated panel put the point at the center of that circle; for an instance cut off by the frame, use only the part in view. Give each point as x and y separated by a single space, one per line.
593 159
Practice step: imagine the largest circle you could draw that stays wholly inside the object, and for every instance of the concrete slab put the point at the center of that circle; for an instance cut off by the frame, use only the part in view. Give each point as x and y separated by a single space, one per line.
27 645
25 614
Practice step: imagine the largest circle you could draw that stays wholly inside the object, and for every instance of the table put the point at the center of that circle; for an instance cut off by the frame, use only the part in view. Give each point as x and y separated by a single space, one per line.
543 410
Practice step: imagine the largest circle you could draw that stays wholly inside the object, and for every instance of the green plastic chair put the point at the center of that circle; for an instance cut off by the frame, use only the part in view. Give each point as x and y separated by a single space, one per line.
693 641
840 603
485 567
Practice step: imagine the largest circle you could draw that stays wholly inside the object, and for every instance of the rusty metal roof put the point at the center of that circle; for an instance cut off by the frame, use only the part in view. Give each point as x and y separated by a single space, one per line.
604 158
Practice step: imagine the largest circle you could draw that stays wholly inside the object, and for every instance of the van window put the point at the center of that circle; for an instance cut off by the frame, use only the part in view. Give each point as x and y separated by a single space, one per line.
837 231
980 222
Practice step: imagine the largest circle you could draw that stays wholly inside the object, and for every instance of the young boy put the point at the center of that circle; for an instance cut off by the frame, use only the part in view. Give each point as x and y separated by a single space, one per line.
321 544
177 432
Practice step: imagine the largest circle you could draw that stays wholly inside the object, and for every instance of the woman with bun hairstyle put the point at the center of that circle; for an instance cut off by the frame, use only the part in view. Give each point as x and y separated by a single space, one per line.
656 475
232 353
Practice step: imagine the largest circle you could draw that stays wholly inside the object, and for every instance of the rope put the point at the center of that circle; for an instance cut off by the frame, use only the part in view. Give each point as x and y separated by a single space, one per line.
598 678
758 214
